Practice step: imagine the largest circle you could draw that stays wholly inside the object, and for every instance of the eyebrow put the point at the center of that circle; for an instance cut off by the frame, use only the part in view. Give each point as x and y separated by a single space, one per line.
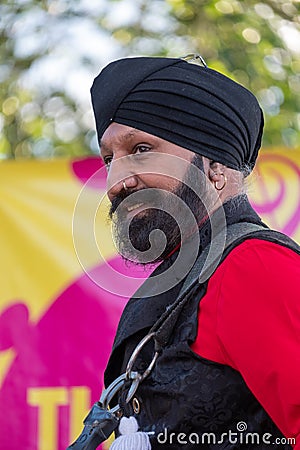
127 136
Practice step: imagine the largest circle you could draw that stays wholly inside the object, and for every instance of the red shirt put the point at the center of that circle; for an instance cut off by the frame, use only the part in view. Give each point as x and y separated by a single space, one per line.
249 319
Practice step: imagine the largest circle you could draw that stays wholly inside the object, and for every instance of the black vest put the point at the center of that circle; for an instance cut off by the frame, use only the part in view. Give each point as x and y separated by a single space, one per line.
206 401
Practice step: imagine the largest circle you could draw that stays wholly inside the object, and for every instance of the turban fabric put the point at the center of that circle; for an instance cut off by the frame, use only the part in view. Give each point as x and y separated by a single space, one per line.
189 105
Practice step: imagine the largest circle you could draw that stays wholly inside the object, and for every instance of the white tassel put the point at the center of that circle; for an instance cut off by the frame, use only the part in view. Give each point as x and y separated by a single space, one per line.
131 438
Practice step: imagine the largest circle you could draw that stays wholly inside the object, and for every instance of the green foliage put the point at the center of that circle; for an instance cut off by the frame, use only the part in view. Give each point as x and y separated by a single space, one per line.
256 43
39 121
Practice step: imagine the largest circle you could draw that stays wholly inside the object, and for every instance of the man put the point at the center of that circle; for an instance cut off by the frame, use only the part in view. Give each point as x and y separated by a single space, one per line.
223 366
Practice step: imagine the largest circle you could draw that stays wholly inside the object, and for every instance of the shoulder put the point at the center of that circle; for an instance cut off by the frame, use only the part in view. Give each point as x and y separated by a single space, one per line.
253 292
258 292
260 258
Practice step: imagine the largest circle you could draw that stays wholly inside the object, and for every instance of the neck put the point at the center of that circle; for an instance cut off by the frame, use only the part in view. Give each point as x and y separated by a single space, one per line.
234 210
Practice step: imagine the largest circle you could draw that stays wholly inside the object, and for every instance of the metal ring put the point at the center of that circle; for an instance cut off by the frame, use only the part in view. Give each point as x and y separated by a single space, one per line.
136 406
112 390
124 185
224 183
134 355
135 377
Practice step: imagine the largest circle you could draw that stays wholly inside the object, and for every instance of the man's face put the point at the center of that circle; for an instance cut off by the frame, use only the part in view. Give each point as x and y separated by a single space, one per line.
156 195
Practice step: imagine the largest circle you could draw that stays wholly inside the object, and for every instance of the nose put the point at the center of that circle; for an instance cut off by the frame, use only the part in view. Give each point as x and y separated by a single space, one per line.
120 178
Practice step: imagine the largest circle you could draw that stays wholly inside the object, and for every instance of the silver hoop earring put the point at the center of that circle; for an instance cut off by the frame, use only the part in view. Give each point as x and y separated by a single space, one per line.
124 186
223 185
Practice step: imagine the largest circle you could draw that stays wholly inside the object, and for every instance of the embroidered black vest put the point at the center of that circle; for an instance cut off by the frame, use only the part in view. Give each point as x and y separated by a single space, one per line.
209 403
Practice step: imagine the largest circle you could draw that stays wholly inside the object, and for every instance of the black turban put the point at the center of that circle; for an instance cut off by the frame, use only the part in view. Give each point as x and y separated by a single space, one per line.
189 105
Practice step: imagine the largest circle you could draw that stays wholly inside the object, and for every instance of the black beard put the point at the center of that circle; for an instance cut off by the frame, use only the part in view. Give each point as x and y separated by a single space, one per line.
132 240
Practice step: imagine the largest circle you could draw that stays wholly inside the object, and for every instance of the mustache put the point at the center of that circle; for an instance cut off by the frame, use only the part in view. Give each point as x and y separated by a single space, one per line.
118 199
155 198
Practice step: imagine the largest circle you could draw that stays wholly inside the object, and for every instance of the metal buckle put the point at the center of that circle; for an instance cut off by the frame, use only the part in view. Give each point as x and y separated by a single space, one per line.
111 391
102 421
194 58
129 375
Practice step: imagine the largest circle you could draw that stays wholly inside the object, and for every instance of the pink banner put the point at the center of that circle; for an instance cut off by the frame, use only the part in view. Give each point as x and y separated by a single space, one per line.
56 323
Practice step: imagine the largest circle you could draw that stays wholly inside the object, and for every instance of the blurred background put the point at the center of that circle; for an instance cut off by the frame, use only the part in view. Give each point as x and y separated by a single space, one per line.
62 284
51 50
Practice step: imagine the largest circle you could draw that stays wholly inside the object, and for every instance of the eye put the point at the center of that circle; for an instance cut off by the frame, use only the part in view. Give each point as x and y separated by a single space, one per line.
107 161
142 148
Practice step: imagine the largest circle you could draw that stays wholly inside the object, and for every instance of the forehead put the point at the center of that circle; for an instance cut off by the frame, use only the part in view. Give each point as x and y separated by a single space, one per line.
118 133
118 136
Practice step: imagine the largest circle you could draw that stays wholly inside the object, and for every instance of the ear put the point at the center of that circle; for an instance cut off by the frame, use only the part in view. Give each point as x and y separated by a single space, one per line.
216 172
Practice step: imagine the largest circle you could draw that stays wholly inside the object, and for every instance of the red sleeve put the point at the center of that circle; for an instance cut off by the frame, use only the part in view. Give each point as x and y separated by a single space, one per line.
250 320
